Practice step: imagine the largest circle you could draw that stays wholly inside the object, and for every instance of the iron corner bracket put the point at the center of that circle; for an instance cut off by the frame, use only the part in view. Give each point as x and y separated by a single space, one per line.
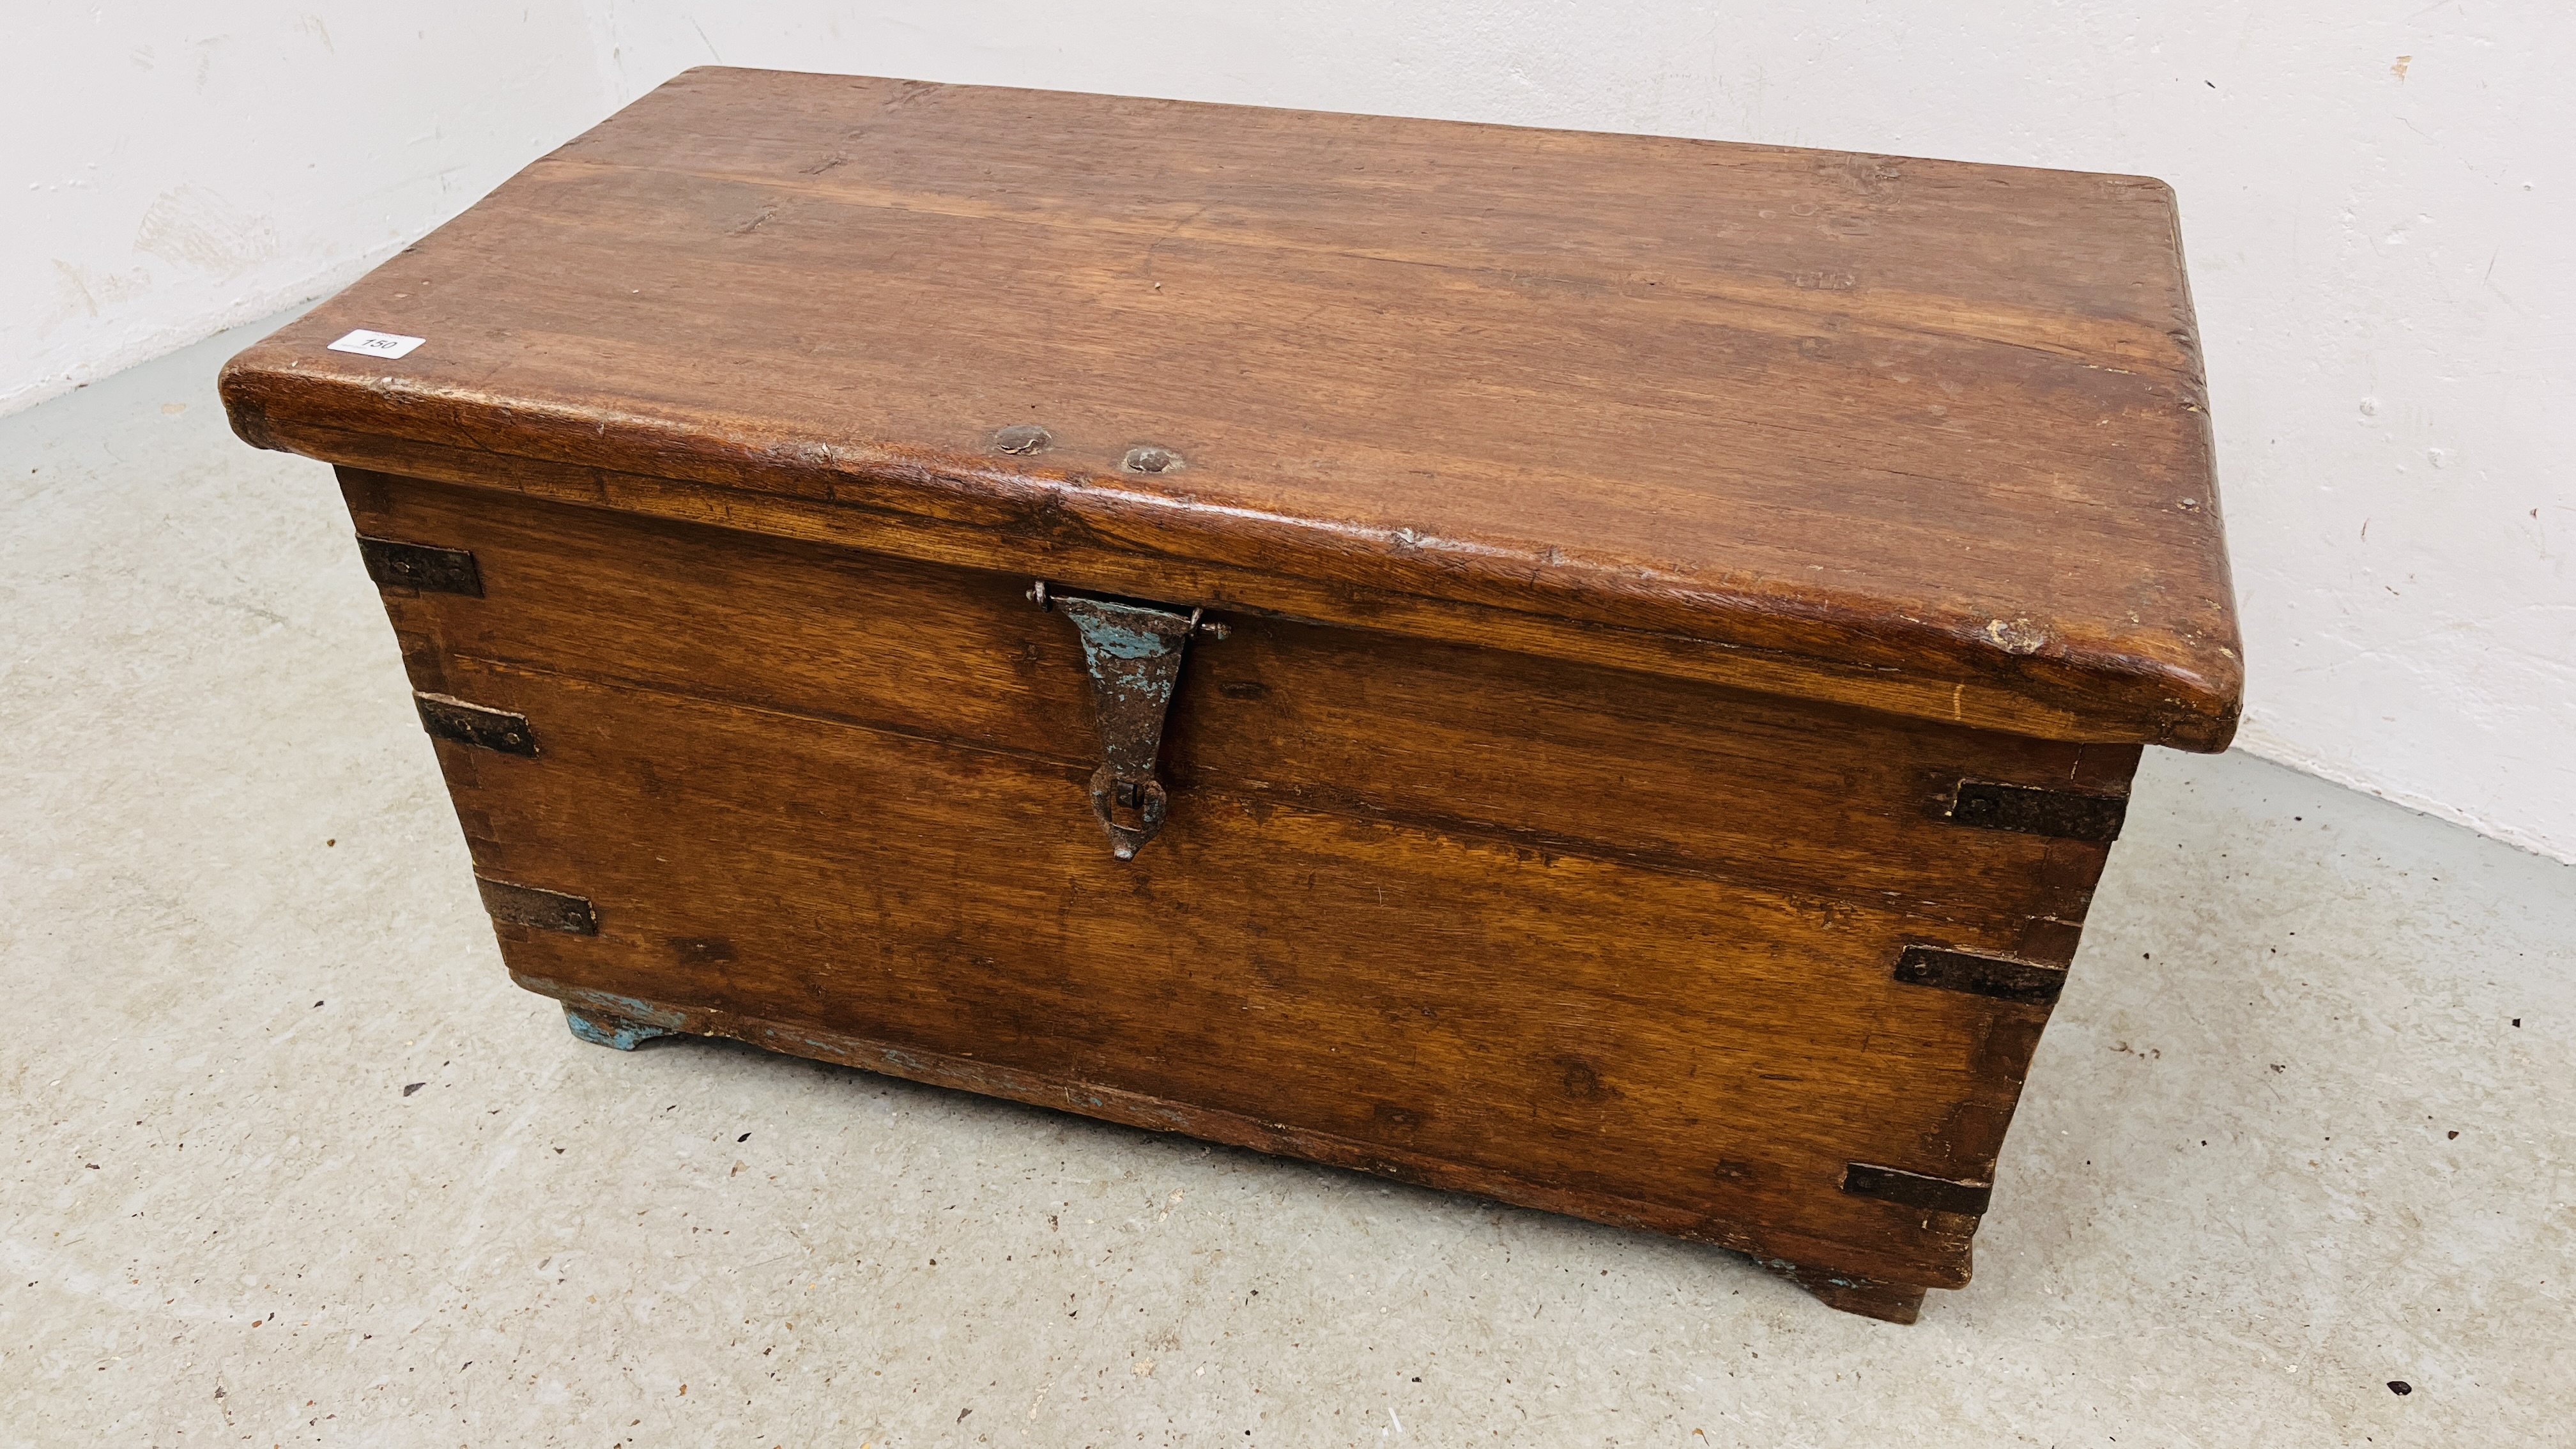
1132 652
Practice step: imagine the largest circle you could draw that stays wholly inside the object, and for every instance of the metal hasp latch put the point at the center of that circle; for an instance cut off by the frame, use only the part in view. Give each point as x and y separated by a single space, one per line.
1133 652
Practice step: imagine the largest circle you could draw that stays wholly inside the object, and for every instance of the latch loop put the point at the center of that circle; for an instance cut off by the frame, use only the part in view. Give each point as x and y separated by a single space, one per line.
1133 654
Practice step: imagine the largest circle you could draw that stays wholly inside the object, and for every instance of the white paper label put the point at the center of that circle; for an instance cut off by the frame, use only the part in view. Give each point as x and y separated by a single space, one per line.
377 344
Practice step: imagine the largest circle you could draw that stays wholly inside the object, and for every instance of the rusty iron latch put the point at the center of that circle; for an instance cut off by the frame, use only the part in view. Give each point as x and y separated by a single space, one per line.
1133 654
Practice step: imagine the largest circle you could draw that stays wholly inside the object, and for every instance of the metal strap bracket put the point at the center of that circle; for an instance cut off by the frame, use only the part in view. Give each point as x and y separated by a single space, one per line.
428 567
2029 810
2000 977
1914 1189
448 718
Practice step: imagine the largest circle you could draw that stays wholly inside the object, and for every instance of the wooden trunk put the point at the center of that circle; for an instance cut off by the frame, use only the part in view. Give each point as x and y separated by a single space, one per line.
1586 781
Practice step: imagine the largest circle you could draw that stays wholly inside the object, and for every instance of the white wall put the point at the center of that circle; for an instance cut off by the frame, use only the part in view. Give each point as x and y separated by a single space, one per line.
170 169
2378 200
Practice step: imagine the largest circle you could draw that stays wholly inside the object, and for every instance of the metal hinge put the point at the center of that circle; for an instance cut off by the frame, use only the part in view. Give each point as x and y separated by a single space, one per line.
1132 652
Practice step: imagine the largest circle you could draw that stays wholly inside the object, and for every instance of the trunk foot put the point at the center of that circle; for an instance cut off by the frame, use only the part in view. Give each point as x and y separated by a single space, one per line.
602 1029
1868 1297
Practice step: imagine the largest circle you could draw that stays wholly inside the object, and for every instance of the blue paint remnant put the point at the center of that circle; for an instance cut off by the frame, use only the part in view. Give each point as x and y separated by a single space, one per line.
643 1012
609 1031
1106 630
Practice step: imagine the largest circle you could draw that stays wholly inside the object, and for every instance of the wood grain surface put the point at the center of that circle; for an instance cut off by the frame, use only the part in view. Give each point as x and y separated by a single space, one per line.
1591 940
1924 436
1673 774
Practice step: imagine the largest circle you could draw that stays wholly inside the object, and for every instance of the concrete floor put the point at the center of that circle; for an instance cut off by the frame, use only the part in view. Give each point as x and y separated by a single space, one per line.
2305 1122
